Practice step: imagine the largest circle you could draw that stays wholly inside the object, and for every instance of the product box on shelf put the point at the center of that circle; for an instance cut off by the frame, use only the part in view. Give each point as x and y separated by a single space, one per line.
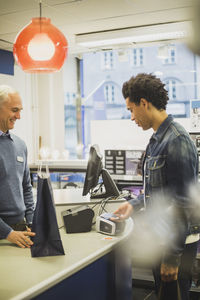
70 180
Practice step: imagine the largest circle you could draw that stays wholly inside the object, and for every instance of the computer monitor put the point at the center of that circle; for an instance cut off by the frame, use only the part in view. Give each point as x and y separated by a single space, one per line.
94 171
195 136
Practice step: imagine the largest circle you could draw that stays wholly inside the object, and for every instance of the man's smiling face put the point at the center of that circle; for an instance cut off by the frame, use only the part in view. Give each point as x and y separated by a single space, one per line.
10 110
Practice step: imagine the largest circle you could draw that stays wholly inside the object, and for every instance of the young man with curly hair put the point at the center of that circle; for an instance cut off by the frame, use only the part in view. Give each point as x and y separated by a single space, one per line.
170 165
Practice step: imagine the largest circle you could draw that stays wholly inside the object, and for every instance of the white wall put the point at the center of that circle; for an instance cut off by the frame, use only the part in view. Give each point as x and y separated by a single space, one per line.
22 82
43 109
51 110
118 134
43 106
123 134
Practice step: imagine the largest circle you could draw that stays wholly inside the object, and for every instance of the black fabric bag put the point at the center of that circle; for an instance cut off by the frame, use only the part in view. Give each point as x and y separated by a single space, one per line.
47 241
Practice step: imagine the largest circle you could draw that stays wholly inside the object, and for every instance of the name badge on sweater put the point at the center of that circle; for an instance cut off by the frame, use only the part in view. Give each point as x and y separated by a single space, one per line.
20 158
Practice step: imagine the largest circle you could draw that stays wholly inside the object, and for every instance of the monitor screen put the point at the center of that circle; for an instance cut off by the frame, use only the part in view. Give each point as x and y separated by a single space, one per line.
94 170
195 136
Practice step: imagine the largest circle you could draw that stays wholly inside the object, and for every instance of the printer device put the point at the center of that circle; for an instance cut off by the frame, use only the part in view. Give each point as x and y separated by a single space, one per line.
78 219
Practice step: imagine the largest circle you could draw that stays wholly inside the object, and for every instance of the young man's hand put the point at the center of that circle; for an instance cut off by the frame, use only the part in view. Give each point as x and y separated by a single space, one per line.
168 272
123 212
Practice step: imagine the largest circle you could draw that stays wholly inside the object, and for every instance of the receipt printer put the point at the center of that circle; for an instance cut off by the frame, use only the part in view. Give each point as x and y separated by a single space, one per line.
78 219
106 226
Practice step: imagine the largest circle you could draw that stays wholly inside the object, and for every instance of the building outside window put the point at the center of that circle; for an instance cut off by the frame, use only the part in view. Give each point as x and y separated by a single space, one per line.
107 60
178 93
109 92
137 57
171 86
106 102
171 59
70 98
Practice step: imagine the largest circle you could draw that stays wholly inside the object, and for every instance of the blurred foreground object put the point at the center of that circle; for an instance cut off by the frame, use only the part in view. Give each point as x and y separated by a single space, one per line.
194 39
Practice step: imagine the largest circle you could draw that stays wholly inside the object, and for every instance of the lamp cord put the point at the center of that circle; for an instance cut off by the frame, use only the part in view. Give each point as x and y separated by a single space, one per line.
40 4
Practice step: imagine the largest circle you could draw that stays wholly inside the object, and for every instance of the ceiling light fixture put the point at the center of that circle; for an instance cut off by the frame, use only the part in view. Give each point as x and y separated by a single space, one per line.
40 46
153 33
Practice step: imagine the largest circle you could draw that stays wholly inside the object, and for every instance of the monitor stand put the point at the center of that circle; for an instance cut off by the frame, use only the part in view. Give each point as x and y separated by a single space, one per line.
110 187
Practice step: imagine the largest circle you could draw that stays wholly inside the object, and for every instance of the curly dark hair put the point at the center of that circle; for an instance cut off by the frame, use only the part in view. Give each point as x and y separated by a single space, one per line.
125 90
146 86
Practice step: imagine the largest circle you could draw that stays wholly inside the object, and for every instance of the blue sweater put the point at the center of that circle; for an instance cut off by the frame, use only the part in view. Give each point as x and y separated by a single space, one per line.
16 198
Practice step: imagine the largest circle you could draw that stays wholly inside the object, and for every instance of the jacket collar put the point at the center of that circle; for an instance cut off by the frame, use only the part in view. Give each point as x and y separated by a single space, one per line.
163 128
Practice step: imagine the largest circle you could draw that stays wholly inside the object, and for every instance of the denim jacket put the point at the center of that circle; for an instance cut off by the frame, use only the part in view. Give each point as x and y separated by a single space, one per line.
170 165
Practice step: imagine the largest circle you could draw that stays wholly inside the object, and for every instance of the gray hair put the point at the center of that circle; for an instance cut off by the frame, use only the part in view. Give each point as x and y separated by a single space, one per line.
5 90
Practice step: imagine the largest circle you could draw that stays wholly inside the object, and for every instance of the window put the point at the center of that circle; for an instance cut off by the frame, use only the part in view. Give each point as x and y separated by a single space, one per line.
171 56
70 98
109 93
178 92
102 86
171 86
107 60
137 59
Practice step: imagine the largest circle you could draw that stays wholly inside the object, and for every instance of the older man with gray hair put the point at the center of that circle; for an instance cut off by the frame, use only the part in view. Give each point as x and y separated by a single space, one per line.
16 198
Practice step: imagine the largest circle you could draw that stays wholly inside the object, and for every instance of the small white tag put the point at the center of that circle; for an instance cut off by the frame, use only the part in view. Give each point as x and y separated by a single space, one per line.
20 158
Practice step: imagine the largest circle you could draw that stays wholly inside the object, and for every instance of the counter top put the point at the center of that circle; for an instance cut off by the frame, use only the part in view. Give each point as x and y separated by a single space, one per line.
24 277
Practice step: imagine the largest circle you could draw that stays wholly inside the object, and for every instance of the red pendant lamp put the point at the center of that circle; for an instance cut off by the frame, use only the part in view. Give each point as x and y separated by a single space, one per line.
40 47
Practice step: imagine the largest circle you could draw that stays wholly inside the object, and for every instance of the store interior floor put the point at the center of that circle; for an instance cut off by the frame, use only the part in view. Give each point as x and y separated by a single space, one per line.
146 292
143 285
143 293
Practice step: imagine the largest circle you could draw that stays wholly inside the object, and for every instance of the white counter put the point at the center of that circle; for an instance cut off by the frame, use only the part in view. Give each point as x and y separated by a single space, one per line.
24 277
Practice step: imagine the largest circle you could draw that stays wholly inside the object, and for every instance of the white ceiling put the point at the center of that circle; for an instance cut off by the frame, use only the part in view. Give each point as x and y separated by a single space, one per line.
74 17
